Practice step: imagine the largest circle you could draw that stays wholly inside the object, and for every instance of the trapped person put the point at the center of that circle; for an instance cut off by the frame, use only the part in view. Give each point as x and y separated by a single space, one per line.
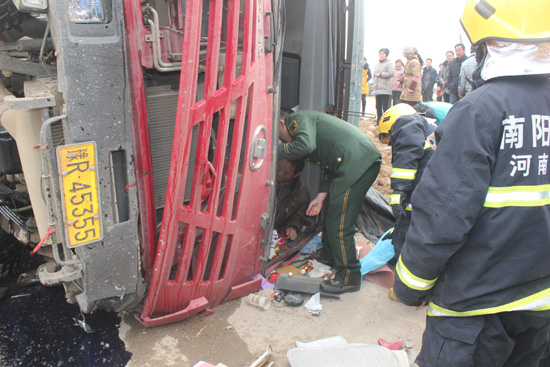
478 246
292 198
381 84
406 132
350 163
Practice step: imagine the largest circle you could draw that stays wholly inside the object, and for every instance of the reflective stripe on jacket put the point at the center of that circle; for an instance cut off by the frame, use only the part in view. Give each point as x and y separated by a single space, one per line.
409 153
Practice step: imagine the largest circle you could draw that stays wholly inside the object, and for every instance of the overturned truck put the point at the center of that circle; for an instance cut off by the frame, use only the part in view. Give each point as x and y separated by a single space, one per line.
138 142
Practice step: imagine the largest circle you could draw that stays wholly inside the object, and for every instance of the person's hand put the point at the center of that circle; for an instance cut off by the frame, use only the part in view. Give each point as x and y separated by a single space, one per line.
411 90
377 75
291 233
316 205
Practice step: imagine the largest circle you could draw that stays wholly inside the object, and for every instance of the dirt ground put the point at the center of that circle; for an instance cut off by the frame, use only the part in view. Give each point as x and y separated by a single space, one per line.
237 333
368 126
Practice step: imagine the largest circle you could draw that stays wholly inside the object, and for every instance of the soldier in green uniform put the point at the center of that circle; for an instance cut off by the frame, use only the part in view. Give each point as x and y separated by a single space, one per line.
350 163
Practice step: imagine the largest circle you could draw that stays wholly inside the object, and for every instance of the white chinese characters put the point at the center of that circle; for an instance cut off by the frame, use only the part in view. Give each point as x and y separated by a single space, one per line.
513 139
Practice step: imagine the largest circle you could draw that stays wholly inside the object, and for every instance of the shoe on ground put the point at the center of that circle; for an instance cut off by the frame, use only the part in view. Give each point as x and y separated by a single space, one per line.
336 287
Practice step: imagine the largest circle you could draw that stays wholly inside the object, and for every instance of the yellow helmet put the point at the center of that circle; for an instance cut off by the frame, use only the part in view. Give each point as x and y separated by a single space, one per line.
389 118
507 20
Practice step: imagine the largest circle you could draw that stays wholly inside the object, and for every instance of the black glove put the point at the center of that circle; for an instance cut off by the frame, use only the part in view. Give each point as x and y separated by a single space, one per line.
397 198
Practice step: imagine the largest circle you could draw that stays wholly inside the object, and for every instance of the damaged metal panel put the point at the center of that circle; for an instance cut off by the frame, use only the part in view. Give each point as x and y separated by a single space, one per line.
93 81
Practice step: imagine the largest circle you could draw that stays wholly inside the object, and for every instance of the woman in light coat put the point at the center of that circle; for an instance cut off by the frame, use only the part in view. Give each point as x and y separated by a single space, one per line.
397 82
383 72
412 82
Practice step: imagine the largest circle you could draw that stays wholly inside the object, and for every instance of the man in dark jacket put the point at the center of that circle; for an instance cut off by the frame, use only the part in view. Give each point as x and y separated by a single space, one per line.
454 73
350 163
429 77
478 246
449 57
292 198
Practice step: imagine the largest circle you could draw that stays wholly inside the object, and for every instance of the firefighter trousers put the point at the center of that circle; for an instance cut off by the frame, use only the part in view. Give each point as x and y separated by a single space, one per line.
509 339
341 213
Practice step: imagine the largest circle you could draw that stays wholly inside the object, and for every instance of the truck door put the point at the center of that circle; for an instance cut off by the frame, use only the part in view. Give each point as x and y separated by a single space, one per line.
209 248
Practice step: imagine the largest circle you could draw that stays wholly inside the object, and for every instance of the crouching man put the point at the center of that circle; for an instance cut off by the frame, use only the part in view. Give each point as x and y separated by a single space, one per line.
350 163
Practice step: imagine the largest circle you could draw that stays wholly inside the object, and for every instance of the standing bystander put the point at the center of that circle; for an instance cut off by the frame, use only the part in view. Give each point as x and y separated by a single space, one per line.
429 77
449 57
454 73
383 73
439 81
412 81
365 88
465 85
397 82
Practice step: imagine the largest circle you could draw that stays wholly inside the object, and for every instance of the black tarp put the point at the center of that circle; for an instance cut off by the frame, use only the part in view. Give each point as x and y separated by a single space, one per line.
376 216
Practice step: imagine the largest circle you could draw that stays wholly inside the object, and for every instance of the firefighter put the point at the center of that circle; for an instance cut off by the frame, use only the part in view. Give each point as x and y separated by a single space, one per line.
478 246
406 132
350 163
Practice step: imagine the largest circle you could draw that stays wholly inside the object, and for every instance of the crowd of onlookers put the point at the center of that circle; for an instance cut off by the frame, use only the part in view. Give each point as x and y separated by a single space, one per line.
412 80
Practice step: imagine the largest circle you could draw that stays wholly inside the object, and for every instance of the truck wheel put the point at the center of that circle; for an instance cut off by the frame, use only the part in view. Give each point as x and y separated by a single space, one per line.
9 15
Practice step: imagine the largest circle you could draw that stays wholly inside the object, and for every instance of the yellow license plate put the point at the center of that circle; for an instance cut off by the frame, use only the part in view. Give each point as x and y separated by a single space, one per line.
79 183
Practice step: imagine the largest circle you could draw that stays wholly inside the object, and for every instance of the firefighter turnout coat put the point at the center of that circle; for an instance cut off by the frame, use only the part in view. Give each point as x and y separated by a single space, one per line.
479 240
410 154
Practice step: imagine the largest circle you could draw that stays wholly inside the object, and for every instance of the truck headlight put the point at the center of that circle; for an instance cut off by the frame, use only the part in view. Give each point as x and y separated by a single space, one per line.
31 6
89 11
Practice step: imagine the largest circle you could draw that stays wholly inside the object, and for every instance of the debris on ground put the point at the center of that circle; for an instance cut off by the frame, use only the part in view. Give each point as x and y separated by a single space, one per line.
314 305
336 351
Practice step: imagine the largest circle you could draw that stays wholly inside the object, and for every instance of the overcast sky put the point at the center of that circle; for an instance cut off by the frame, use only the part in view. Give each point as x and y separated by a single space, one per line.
430 25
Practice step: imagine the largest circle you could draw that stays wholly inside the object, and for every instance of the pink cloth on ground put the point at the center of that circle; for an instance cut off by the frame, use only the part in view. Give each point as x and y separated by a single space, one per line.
383 276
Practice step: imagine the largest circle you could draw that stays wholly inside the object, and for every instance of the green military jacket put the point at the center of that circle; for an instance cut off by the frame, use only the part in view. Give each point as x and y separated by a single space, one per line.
343 151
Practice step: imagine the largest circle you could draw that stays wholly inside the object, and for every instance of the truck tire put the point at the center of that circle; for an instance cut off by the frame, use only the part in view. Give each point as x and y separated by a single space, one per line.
9 15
